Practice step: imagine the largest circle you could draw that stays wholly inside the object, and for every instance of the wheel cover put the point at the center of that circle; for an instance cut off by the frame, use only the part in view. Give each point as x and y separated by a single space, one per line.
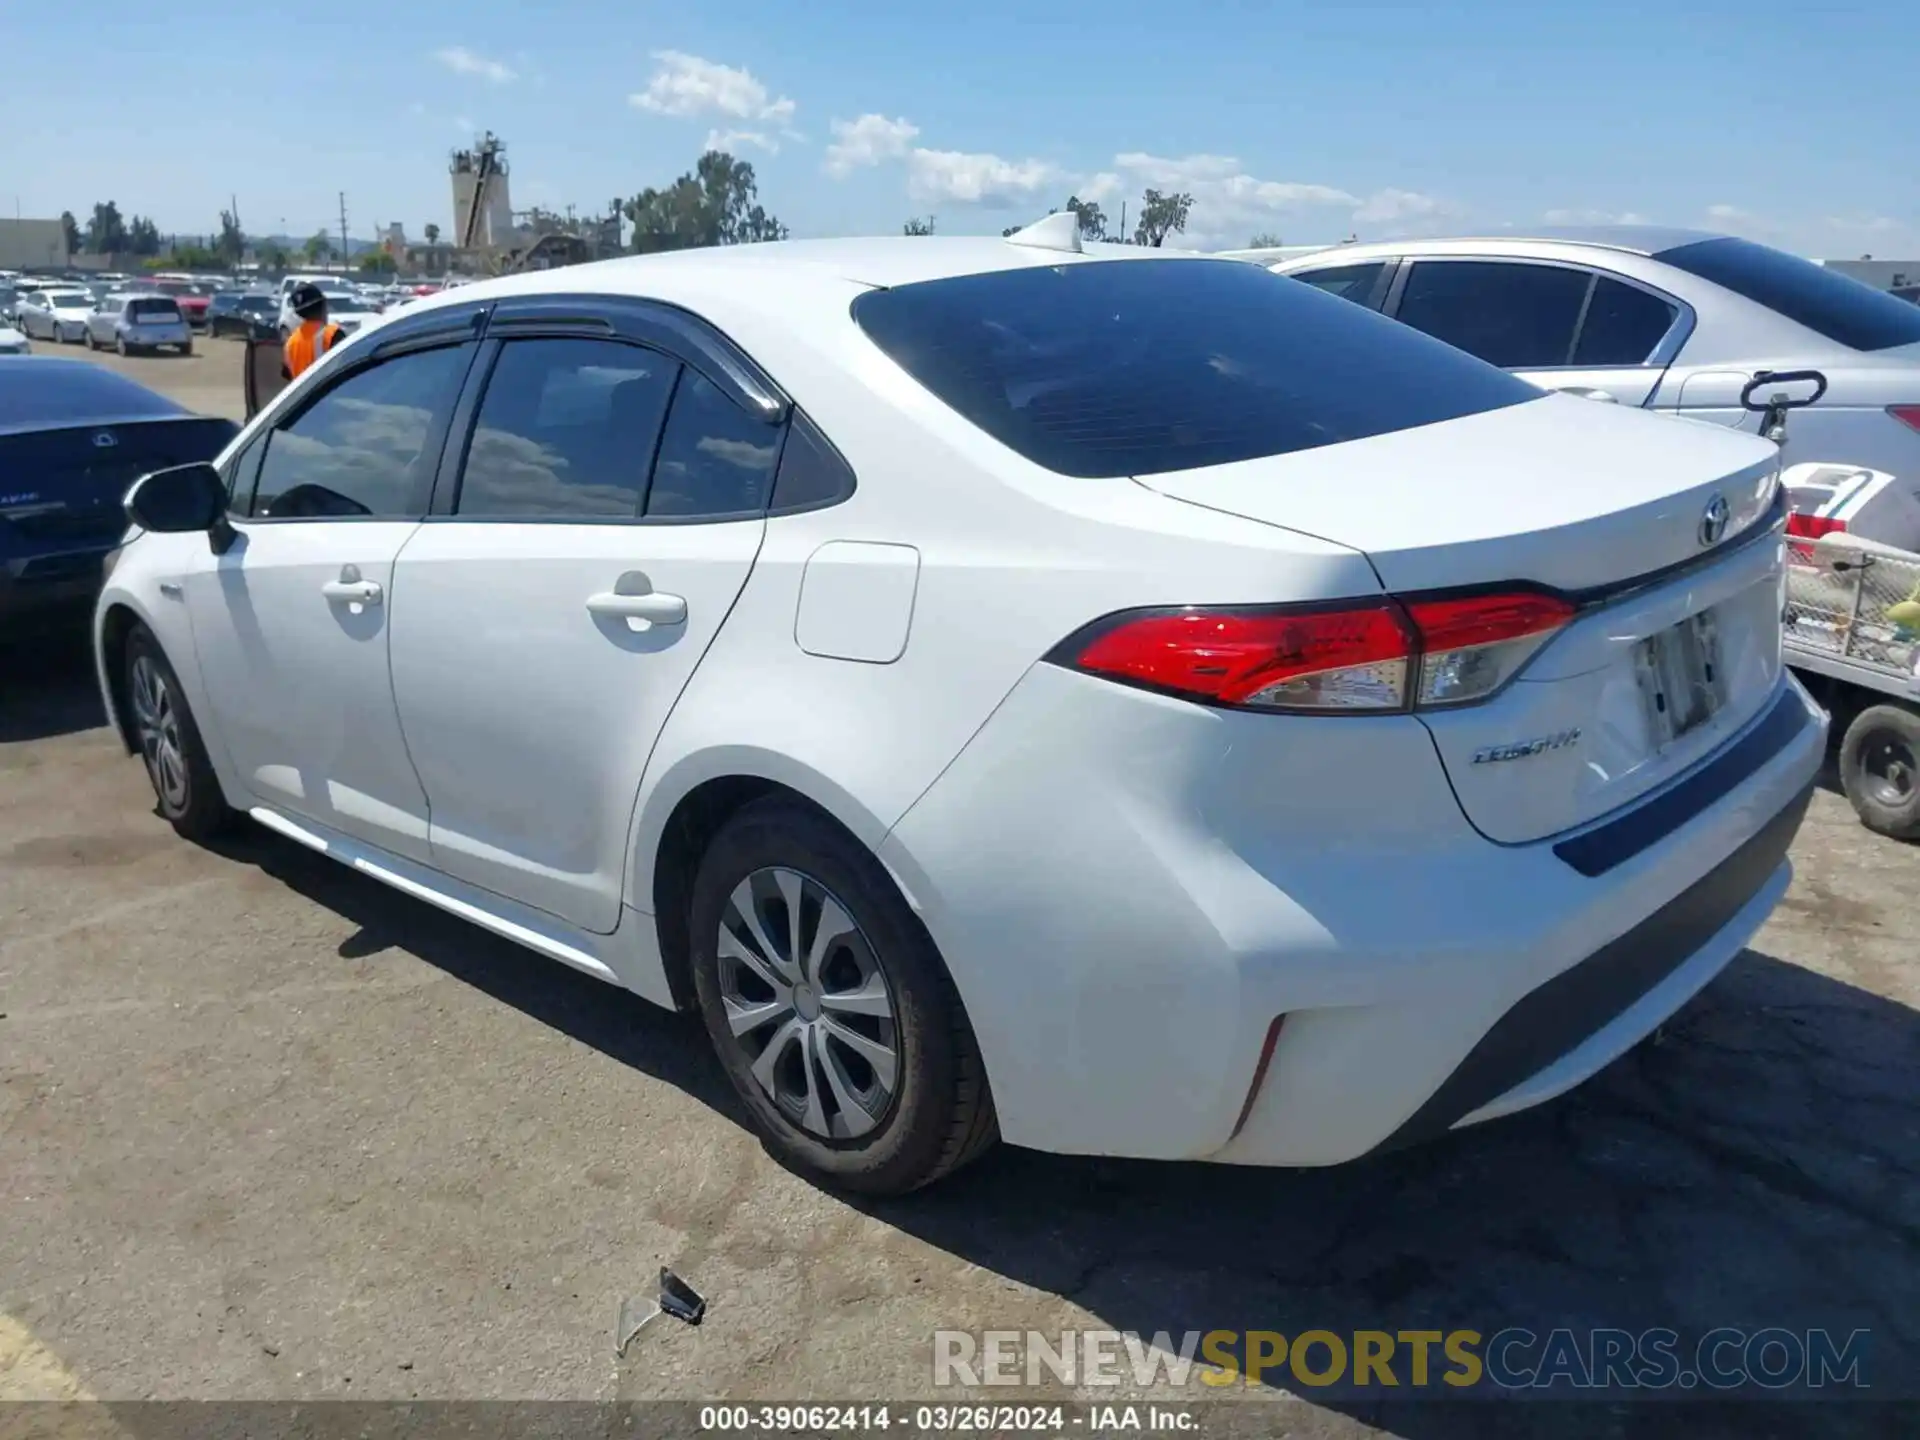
808 1005
156 721
1888 763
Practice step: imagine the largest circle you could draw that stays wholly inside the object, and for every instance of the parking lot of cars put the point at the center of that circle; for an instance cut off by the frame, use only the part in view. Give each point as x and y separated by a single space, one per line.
270 1129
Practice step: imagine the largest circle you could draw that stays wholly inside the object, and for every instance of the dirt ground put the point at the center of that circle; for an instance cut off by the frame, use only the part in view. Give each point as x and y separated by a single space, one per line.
269 1130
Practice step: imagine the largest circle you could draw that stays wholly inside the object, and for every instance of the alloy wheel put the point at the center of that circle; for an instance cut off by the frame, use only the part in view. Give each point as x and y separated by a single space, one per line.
156 721
808 1004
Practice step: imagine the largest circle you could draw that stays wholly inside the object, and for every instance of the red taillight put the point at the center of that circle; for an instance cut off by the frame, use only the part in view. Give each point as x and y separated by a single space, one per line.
1474 645
1373 655
1907 415
1812 527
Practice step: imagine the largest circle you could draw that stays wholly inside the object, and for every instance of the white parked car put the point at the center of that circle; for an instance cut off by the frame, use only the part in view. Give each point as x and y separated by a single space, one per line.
13 342
59 315
1125 702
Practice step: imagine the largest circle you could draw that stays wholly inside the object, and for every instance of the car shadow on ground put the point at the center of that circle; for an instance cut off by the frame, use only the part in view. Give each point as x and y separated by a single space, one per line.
47 685
1755 1164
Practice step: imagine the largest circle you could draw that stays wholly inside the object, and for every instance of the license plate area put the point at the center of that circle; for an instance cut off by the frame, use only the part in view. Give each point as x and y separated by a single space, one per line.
1682 680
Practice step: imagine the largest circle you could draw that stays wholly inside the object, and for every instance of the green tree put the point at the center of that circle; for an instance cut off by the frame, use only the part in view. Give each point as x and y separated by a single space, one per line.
106 231
715 203
274 257
318 249
1093 220
70 231
917 226
142 236
1161 216
1265 240
232 244
377 262
1011 230
433 233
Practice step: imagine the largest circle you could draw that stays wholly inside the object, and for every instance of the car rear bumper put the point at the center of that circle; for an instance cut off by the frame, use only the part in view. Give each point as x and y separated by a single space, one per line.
1184 933
50 588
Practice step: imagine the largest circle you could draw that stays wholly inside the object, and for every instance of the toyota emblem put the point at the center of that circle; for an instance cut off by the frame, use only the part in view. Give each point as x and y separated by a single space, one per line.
1713 521
104 440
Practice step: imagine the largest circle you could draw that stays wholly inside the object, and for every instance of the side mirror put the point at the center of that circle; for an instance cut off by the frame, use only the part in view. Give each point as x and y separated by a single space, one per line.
178 500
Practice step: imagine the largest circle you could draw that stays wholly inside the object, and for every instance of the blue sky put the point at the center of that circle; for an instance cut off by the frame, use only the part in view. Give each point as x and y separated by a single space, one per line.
1311 121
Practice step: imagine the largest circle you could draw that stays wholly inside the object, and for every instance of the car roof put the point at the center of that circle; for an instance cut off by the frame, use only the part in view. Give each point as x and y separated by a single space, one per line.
1633 239
43 392
881 262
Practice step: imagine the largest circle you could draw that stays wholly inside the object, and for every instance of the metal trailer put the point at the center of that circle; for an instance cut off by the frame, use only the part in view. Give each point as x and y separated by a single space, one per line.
1852 631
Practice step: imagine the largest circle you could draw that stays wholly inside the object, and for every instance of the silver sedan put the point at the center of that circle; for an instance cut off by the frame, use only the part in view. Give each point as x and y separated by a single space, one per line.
1673 320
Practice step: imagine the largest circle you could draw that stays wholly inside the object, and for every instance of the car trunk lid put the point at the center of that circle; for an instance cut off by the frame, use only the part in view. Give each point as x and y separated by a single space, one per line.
63 488
1657 530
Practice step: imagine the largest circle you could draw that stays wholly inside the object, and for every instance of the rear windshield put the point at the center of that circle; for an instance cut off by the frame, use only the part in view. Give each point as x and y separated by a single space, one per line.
1825 301
1138 367
153 305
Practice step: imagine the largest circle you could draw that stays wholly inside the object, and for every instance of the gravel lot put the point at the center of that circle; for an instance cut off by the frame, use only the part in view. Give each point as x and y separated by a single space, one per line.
269 1130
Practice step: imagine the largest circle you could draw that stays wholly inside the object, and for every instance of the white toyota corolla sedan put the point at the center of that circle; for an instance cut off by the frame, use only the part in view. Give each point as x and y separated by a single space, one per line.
1127 703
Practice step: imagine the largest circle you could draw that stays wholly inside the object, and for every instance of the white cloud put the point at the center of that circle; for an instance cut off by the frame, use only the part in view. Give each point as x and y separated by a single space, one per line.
465 126
1595 217
1230 204
686 85
979 179
867 141
731 140
463 61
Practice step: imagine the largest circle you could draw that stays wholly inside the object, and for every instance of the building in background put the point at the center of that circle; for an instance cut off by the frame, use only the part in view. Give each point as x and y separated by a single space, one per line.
1893 275
482 208
33 244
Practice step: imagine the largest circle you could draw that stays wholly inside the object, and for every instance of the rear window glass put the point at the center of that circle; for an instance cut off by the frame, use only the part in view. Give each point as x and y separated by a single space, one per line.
155 308
1139 367
1825 301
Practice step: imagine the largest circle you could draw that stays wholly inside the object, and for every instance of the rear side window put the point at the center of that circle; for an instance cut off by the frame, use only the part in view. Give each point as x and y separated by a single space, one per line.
1349 282
1622 325
715 459
153 309
566 431
1518 316
1825 301
1139 367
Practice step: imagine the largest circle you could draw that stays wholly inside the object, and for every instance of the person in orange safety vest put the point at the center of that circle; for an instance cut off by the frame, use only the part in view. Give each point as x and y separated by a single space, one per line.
313 337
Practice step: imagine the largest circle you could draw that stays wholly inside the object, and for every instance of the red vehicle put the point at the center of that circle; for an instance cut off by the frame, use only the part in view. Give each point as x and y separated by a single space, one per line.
186 294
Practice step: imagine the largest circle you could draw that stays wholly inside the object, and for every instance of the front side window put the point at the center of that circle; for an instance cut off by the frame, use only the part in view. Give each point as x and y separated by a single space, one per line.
1517 316
566 431
1141 367
715 459
360 450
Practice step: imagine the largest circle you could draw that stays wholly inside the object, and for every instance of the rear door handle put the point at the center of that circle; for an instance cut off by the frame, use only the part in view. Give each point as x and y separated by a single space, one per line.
363 592
660 609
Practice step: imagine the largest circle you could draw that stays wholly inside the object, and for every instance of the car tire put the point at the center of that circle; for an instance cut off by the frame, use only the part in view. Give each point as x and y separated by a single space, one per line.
187 349
1880 770
185 788
814 1070
92 344
120 346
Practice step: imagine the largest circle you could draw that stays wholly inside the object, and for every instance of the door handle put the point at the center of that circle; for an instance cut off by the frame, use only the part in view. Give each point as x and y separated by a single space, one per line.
652 606
361 592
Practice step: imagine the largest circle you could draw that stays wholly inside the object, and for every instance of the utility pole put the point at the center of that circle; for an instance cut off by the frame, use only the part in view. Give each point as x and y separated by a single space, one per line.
343 230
